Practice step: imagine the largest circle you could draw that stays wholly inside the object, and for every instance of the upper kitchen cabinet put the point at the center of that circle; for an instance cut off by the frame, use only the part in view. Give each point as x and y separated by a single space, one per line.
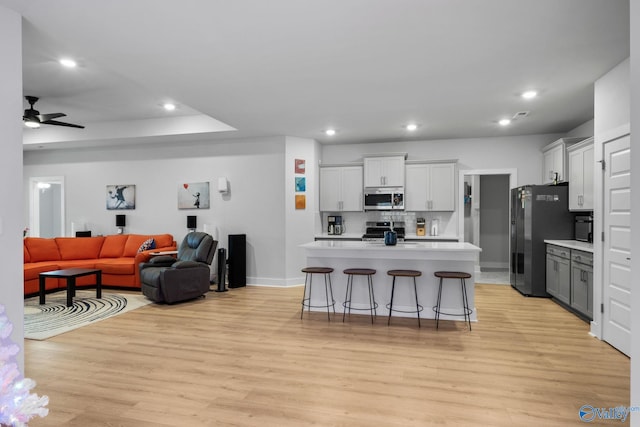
384 171
341 188
430 187
581 168
555 160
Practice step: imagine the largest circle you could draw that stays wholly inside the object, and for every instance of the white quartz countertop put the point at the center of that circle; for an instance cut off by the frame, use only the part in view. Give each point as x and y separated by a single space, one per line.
402 250
411 236
572 244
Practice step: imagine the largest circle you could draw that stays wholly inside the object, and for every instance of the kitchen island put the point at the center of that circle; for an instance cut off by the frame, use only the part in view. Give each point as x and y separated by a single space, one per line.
427 257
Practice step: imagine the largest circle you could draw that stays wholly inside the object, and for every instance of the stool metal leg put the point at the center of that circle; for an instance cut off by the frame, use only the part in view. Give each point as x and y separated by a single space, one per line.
393 288
372 300
438 303
347 298
465 303
415 288
304 294
326 293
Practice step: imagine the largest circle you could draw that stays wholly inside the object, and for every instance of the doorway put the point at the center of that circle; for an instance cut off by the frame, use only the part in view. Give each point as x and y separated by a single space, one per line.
46 207
485 196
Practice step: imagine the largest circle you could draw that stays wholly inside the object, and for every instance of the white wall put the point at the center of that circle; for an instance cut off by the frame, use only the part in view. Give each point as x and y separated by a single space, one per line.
299 223
11 193
521 152
255 205
585 130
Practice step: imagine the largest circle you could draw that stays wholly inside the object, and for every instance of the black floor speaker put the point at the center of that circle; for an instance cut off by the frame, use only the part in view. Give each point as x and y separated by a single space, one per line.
222 270
237 260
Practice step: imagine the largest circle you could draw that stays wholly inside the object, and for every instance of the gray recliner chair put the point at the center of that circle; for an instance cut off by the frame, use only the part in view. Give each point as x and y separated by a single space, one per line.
167 279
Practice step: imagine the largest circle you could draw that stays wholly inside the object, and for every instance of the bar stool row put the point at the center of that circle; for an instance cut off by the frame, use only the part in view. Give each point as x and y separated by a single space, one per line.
373 305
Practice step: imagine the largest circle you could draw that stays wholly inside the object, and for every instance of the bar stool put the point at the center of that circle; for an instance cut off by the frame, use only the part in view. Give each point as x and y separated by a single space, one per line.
373 305
404 273
306 296
466 311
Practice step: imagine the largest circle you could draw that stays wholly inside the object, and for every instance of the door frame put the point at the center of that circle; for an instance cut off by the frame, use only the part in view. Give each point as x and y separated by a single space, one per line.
34 203
513 183
598 225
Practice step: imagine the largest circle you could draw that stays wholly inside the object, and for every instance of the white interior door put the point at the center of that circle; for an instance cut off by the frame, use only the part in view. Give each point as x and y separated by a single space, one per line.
617 245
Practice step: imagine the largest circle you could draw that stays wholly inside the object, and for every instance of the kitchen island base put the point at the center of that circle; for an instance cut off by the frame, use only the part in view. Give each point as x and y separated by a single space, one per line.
426 257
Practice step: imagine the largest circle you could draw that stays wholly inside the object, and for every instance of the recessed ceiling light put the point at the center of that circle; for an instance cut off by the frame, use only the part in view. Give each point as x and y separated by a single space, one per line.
504 122
330 132
67 62
411 127
169 106
529 94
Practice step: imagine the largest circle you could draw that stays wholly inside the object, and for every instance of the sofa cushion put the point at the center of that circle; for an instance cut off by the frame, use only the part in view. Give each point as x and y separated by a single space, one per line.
117 266
79 248
113 246
77 263
134 241
41 249
147 244
26 258
33 270
163 240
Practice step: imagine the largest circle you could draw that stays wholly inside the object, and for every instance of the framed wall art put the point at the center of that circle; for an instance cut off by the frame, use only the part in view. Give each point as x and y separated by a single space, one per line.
121 197
193 195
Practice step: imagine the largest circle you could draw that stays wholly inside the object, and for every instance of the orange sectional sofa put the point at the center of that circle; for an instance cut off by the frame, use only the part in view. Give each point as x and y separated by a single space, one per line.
118 257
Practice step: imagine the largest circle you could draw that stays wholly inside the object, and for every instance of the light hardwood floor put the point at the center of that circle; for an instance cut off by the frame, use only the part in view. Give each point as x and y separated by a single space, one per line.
244 358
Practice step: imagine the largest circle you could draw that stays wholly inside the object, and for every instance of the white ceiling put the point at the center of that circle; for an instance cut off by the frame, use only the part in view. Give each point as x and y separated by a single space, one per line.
297 67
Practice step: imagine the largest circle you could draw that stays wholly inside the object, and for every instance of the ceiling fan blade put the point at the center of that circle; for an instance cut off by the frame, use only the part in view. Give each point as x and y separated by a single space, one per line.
57 123
45 117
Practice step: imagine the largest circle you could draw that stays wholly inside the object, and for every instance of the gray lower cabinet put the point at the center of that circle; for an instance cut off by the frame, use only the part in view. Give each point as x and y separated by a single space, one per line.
559 273
582 282
570 278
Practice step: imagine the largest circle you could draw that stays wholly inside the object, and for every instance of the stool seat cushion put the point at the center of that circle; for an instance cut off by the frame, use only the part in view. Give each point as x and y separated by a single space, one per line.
321 270
404 273
360 271
452 274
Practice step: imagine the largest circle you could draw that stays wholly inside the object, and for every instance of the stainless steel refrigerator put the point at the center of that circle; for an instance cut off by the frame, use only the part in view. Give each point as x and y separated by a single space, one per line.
538 212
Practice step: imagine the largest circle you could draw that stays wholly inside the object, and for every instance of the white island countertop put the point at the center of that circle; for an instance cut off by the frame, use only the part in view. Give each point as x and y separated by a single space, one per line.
402 250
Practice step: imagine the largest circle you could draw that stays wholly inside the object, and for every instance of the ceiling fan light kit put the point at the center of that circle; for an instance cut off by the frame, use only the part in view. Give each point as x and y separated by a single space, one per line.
33 119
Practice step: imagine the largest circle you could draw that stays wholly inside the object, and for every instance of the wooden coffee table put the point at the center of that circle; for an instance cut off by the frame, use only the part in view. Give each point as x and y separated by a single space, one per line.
71 274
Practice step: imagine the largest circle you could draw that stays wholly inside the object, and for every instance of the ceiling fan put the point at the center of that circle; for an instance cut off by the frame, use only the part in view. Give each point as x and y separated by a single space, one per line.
33 119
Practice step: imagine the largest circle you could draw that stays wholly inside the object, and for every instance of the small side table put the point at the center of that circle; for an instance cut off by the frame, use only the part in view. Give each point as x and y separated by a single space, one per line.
71 274
163 253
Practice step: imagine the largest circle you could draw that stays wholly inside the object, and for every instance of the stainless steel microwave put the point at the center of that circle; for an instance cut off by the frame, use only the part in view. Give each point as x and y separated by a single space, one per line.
384 199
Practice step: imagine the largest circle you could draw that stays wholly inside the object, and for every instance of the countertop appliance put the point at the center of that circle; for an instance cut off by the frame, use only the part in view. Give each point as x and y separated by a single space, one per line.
421 227
334 226
375 231
538 212
383 198
584 228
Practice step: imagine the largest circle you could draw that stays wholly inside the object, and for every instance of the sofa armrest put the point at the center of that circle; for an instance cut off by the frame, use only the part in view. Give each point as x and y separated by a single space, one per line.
189 264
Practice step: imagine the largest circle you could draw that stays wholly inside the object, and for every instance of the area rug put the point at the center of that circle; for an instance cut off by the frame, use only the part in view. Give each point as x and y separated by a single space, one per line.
54 317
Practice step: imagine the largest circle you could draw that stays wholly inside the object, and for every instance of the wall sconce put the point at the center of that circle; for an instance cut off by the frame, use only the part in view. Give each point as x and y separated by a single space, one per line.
191 222
120 223
223 185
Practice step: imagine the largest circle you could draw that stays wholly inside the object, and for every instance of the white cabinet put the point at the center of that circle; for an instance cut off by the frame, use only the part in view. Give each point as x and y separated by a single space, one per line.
341 188
581 167
555 160
384 171
430 187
